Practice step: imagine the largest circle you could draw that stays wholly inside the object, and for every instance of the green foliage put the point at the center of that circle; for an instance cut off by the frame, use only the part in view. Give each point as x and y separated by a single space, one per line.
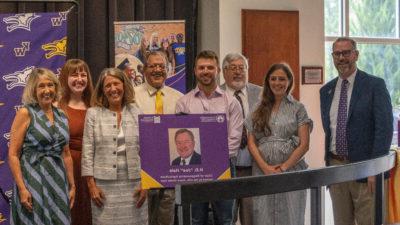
382 61
332 17
330 71
372 18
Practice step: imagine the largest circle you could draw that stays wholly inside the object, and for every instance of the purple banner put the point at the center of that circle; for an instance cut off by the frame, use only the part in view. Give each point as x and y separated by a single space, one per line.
177 149
27 41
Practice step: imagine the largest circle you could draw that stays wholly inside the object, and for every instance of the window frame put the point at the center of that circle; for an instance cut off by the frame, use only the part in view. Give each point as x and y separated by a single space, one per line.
344 24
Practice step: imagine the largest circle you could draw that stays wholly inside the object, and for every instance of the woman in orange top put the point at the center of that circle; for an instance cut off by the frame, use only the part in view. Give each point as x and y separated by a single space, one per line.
77 87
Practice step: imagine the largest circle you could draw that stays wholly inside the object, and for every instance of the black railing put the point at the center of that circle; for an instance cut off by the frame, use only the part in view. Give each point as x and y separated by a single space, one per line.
313 179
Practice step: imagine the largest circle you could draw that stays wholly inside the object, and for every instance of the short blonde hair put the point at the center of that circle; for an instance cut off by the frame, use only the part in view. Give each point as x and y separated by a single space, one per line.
99 99
29 95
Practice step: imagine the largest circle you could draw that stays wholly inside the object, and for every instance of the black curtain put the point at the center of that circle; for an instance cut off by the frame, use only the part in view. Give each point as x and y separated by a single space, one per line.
91 28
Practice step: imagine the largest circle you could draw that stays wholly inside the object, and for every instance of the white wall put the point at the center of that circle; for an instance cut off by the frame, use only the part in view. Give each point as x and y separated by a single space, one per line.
225 26
220 21
208 25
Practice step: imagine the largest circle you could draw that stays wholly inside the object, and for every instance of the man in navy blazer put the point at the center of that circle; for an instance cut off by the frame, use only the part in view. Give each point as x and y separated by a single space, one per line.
357 119
184 140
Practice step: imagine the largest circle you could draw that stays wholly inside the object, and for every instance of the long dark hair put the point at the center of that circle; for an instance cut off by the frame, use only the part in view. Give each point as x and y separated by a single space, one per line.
262 114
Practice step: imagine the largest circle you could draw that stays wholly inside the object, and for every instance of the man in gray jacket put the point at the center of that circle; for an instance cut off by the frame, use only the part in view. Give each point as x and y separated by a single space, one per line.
235 71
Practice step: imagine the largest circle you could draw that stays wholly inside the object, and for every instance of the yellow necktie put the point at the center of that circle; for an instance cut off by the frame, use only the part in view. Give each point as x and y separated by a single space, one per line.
159 103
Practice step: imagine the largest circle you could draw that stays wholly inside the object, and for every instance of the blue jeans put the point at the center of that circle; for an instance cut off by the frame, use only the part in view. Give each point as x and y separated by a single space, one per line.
222 210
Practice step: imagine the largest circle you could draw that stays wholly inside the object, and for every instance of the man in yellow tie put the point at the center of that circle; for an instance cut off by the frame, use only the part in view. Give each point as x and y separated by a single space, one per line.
159 102
153 97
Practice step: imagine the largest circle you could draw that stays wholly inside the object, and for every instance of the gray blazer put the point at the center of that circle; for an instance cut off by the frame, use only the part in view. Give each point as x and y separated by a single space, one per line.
99 147
253 97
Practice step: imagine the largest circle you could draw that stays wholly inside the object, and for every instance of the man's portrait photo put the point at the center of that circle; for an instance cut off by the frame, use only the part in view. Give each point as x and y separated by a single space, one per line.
185 147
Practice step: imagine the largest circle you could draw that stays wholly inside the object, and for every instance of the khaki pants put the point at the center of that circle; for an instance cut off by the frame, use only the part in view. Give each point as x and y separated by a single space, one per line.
161 210
351 202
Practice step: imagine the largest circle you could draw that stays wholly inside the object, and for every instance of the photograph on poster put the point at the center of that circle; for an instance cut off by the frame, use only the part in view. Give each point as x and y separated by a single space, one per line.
134 40
184 146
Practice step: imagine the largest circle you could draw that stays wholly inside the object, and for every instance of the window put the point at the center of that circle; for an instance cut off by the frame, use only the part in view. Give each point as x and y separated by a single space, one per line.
375 25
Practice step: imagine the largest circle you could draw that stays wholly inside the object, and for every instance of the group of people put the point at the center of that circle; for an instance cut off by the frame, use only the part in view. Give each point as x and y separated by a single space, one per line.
173 47
74 150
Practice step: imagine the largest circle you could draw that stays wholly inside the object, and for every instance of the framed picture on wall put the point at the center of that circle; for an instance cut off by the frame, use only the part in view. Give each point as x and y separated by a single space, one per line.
312 75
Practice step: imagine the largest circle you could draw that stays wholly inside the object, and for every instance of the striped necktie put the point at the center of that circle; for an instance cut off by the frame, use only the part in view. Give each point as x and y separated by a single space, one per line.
243 142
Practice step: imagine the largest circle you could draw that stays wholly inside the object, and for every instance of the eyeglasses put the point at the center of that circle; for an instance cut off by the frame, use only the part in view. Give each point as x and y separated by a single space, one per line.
240 68
153 66
345 53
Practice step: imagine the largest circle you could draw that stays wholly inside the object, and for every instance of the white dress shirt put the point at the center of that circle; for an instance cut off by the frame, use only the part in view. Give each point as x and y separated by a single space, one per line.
243 96
145 97
187 160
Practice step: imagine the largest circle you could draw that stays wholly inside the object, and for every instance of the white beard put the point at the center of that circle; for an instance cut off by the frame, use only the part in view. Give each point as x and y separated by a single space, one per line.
238 85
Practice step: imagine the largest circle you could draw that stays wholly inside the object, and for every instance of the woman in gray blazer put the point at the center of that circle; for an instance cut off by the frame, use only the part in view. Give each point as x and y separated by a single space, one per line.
110 152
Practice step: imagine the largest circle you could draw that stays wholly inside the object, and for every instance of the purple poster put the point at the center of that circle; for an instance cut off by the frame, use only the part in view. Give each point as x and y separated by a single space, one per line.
177 149
27 41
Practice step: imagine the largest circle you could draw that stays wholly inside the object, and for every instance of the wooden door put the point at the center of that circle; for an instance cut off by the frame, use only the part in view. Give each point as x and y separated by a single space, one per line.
270 37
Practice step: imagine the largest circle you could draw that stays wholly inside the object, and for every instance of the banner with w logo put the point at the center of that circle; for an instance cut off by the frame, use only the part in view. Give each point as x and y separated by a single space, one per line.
27 41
